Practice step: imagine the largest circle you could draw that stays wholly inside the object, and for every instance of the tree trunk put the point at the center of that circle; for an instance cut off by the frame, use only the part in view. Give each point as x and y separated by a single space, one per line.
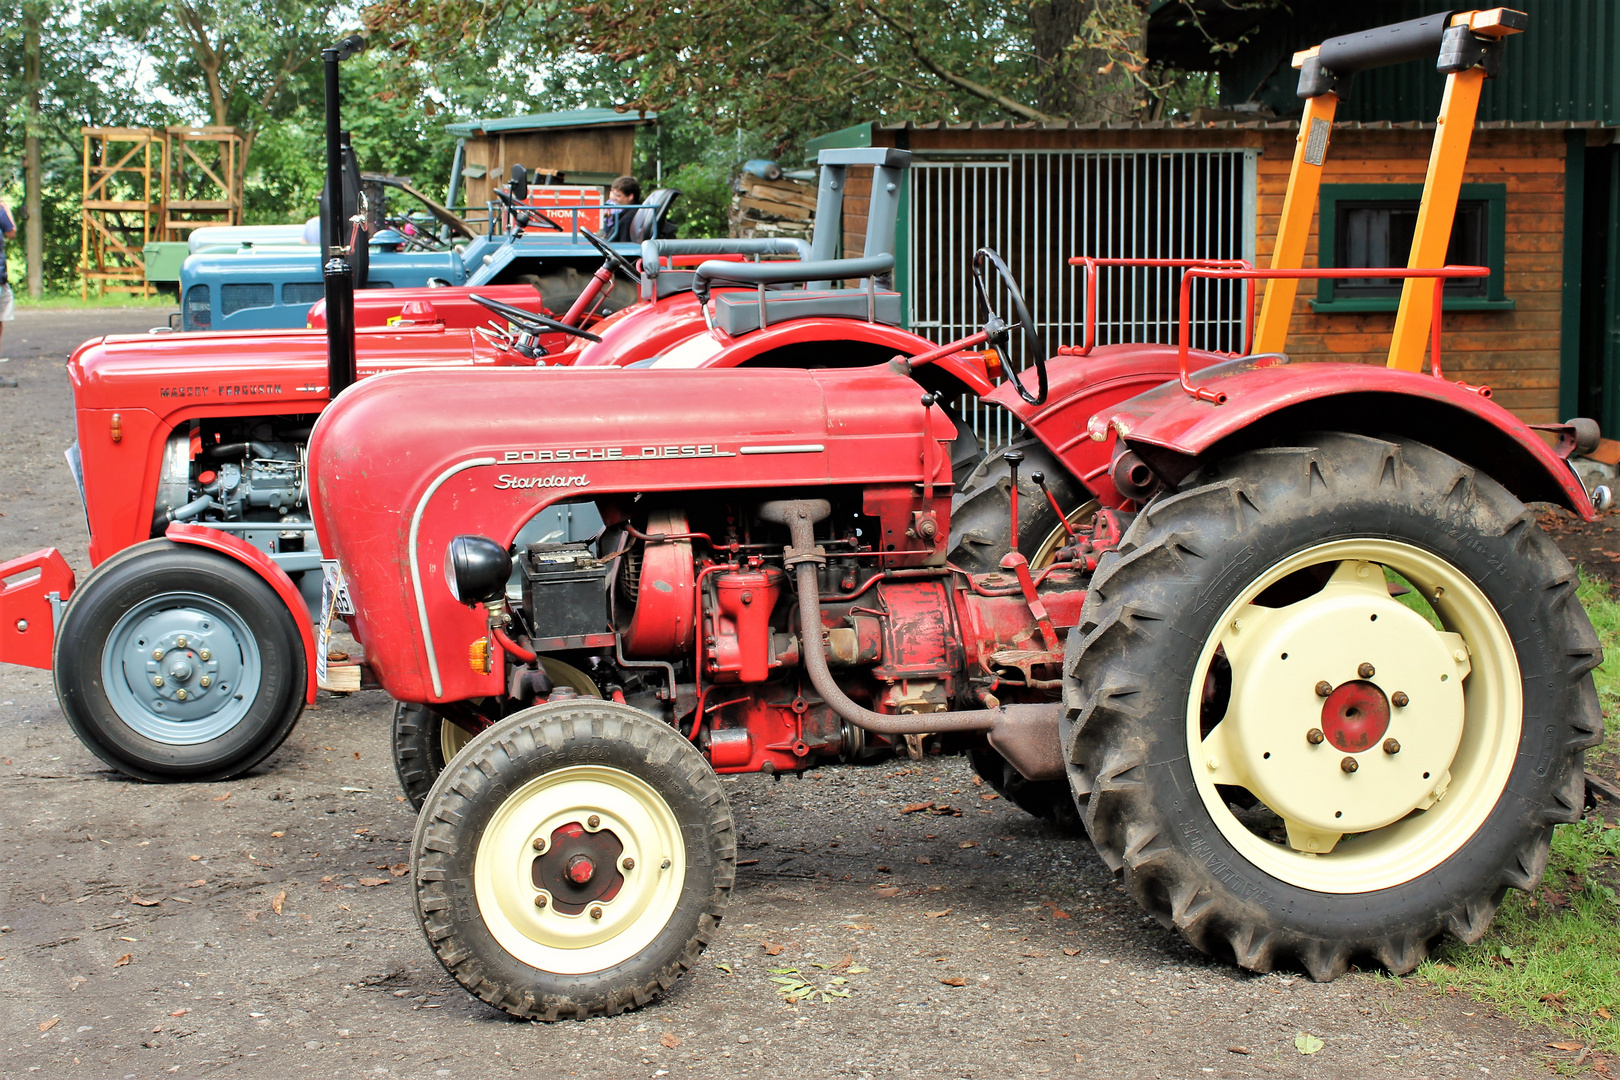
34 227
1069 82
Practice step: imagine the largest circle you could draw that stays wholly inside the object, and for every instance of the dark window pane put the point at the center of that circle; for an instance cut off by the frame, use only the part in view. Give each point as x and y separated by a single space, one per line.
234 298
196 313
1379 233
302 292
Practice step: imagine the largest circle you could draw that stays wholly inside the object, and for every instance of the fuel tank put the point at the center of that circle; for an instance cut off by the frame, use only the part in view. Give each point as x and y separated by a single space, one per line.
402 463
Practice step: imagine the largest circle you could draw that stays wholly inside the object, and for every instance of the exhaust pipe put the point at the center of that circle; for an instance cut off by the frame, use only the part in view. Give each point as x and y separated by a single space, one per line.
338 271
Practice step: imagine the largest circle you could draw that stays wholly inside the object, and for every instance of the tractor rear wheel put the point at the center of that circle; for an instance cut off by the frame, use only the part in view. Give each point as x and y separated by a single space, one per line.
981 524
175 663
573 861
1291 764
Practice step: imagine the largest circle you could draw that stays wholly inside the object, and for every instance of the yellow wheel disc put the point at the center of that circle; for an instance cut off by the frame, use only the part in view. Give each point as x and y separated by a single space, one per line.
1381 741
609 809
1059 536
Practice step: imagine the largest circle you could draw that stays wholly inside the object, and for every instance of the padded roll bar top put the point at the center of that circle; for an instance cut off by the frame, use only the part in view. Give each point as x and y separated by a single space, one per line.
868 266
1474 40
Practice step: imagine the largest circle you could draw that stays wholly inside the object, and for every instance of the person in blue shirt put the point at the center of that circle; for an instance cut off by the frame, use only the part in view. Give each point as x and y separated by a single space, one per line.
626 191
8 229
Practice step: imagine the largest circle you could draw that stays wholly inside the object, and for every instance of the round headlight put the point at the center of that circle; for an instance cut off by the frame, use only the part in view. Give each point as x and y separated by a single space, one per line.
476 569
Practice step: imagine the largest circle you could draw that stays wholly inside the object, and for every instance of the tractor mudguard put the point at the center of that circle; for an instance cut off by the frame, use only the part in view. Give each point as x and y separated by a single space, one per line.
1083 387
33 591
256 560
1266 397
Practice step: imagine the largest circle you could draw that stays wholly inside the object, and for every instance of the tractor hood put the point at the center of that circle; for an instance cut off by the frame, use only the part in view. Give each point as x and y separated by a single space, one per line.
401 464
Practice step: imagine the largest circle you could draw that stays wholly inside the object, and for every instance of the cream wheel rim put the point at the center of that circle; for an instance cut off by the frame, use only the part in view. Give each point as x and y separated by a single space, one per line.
1382 742
1059 536
452 737
605 805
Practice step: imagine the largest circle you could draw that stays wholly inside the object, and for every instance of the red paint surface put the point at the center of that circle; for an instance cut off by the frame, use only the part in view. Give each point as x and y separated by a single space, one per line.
27 622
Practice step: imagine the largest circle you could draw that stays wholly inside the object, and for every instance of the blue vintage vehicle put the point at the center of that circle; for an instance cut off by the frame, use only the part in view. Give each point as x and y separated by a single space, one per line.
252 285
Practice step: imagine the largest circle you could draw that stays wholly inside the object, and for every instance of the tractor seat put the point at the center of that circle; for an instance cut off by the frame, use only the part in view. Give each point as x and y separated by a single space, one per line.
739 313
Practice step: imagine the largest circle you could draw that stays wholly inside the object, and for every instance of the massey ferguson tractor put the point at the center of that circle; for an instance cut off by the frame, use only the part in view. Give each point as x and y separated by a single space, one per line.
1285 636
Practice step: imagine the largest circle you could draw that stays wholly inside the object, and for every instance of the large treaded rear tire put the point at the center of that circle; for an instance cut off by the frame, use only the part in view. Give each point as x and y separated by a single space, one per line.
1155 603
491 775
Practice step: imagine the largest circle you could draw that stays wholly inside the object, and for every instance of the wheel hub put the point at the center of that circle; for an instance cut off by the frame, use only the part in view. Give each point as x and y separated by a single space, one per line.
567 870
181 668
1358 647
1355 716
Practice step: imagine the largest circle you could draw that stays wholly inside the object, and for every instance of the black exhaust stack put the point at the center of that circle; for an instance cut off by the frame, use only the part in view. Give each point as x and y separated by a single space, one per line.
338 270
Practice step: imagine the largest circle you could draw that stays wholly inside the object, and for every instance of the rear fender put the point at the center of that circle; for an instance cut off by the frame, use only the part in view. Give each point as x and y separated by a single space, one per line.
33 591
261 564
1267 398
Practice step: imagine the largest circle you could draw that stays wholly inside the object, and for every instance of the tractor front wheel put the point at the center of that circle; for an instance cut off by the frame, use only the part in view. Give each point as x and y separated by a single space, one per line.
1328 701
573 860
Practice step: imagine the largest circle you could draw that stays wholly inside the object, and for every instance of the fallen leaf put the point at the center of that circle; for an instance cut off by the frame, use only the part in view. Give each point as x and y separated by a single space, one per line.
1604 1013
858 970
337 657
1238 1050
845 962
923 860
179 1012
946 809
279 833
747 862
276 904
179 899
222 798
883 869
726 968
1307 1044
199 883
1059 913
915 807
141 901
194 858
968 844
1071 952
888 891
954 980
937 914
771 948
669 1040
400 869
126 939
987 796
1078 1059
1567 1045
369 882
122 960
52 1022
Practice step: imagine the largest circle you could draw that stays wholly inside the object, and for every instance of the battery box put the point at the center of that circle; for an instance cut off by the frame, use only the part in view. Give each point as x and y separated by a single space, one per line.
565 590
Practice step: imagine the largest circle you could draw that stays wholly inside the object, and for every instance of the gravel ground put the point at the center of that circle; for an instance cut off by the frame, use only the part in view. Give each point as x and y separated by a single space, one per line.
263 928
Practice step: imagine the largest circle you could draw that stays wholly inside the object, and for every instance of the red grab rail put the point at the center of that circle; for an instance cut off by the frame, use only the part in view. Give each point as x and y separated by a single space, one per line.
1091 263
1251 275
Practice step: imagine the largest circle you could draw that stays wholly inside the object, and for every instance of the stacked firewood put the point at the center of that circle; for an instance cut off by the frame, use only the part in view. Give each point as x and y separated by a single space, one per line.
781 207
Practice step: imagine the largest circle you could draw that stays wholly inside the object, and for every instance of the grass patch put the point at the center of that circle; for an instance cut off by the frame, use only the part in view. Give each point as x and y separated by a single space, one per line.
73 302
1553 957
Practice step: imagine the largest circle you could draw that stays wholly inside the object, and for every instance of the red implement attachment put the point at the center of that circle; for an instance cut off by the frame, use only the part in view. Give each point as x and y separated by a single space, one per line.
33 590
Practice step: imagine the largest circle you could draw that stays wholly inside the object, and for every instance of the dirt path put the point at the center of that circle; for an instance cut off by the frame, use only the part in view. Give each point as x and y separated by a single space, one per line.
141 936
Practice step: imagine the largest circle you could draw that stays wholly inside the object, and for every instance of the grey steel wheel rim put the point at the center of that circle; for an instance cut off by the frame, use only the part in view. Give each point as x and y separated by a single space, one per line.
180 668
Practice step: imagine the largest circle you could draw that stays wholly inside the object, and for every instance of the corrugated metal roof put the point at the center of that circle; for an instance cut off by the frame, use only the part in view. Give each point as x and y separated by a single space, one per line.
571 118
1233 125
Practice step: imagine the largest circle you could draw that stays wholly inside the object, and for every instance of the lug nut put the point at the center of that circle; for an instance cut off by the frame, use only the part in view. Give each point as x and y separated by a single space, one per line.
1365 671
1399 699
596 913
181 694
1349 764
205 682
157 680
539 843
157 654
1315 736
629 864
1324 688
540 900
205 654
1392 746
593 822
179 642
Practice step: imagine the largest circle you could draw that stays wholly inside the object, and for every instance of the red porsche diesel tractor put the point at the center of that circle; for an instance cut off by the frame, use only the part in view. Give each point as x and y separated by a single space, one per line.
1285 634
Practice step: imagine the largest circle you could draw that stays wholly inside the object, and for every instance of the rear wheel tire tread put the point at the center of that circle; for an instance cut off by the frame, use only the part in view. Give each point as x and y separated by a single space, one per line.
1106 742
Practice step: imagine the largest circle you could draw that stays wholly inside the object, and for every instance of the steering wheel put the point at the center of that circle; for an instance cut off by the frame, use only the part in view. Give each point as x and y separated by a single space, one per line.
526 216
614 259
528 320
415 236
997 330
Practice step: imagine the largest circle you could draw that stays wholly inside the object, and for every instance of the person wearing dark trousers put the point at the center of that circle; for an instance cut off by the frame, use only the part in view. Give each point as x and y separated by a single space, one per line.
625 191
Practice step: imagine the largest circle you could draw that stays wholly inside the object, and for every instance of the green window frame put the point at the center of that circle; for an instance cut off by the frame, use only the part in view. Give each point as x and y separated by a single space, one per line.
1494 196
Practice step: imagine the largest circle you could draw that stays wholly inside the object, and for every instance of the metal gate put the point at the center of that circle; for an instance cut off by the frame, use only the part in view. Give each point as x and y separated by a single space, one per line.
1037 208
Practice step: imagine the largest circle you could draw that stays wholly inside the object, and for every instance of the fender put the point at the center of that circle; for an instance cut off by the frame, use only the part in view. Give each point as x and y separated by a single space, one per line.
1268 397
256 560
31 605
